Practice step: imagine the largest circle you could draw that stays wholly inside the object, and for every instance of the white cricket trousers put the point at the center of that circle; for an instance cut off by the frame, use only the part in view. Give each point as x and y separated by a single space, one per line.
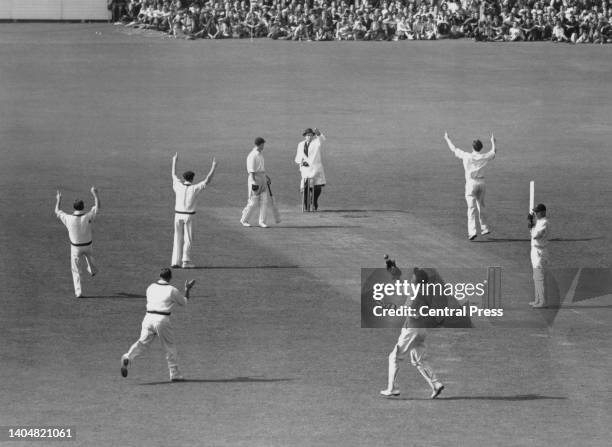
78 255
411 341
183 237
257 200
157 325
539 261
475 198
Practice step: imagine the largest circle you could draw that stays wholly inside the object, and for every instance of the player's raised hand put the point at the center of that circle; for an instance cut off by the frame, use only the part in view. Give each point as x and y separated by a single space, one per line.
175 156
189 284
492 138
214 162
93 190
58 195
445 135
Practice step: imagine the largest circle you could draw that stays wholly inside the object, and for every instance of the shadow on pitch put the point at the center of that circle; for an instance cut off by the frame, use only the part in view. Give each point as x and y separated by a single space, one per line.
314 227
117 295
232 380
362 211
556 239
563 306
244 267
515 398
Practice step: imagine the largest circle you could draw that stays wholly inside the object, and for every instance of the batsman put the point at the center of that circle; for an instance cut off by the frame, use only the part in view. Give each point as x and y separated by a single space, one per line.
308 158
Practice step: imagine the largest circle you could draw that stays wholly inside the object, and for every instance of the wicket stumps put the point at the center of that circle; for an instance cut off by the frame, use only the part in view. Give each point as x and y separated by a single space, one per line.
307 194
492 298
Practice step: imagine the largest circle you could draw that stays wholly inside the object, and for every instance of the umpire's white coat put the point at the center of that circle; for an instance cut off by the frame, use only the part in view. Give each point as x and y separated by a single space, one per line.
315 162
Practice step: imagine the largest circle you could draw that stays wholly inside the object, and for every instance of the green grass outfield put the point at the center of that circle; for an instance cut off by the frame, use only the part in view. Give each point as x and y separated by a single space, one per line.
272 342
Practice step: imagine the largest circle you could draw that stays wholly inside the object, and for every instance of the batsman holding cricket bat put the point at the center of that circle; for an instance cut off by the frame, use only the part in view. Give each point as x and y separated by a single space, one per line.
308 158
539 230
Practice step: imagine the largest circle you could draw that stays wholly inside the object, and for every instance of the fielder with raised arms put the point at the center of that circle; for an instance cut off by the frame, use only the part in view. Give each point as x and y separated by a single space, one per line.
79 225
473 164
186 194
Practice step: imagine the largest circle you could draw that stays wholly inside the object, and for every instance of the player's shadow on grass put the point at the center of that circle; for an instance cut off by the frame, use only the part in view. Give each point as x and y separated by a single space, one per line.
313 227
362 211
563 306
522 239
232 380
515 398
244 267
115 296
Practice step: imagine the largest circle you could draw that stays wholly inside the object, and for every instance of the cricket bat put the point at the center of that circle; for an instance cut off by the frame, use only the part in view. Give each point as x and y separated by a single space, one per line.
531 195
275 211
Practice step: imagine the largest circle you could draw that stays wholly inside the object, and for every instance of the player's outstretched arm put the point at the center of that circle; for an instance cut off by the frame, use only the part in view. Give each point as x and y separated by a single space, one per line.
450 144
58 201
174 160
211 173
454 149
94 193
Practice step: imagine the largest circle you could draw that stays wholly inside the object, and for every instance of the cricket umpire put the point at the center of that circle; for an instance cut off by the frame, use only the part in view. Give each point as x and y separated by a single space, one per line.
161 298
308 157
79 225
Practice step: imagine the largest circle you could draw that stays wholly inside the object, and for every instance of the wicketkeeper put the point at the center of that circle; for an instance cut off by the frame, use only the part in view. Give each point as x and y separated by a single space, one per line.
411 341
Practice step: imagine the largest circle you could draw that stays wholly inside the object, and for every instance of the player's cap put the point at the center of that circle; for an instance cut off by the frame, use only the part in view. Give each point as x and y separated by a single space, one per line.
308 131
259 141
539 208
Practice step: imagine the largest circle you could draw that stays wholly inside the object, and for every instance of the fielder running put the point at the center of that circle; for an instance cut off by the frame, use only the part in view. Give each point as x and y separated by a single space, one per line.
412 341
308 158
538 227
257 186
79 225
473 163
184 210
161 298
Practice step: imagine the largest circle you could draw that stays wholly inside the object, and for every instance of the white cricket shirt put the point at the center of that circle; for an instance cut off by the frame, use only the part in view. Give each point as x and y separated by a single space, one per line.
255 162
186 194
78 225
539 234
162 297
474 162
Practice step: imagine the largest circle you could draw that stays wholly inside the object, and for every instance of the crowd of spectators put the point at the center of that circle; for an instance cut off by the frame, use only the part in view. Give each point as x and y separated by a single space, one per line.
573 21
